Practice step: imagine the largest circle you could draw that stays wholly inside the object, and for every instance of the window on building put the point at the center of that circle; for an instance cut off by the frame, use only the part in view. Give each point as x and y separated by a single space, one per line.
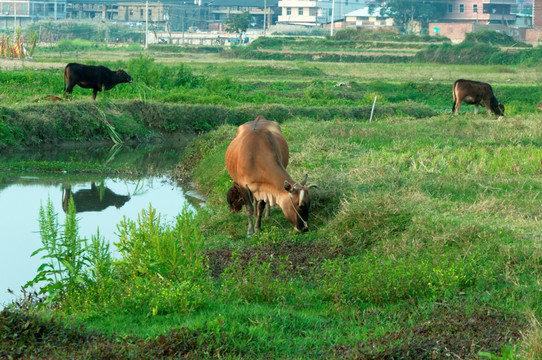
131 12
329 12
150 12
461 8
450 8
300 11
141 12
475 8
288 11
313 12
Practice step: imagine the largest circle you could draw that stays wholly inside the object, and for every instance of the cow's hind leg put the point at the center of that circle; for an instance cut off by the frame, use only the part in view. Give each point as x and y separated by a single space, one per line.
457 106
476 108
247 197
68 90
94 93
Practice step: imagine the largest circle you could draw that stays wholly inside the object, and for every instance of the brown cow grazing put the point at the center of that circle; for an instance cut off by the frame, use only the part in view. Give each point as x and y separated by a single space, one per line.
476 93
92 77
255 160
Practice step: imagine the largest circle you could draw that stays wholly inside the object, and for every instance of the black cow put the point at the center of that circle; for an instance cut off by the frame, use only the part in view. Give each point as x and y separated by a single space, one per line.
92 199
92 77
476 93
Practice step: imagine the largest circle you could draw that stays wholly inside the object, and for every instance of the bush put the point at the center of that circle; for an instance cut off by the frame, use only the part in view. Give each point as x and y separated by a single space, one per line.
493 38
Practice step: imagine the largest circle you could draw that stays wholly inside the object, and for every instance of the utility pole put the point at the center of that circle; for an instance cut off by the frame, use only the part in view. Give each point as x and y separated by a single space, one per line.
332 17
146 23
14 17
264 16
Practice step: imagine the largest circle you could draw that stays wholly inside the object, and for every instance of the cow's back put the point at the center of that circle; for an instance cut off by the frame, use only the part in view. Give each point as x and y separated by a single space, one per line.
90 74
471 88
258 153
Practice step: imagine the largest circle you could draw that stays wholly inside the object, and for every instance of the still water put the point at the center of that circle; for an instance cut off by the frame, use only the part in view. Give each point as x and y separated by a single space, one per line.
101 203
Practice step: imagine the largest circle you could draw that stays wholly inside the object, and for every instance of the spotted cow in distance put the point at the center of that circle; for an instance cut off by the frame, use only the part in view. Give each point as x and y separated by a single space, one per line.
476 93
95 77
255 161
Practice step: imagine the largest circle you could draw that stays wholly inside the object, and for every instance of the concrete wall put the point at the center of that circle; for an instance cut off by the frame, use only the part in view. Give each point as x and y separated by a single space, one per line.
454 31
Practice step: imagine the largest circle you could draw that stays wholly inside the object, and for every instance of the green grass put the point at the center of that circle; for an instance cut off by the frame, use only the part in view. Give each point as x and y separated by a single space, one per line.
424 237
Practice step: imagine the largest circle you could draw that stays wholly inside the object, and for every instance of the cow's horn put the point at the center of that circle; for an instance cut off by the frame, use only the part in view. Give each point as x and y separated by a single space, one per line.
304 181
313 186
301 197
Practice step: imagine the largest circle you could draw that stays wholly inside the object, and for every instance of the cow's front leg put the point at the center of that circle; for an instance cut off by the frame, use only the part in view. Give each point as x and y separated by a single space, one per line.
476 109
94 93
260 207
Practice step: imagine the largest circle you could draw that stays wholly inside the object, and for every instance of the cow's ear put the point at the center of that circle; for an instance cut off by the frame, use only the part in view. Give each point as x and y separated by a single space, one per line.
287 186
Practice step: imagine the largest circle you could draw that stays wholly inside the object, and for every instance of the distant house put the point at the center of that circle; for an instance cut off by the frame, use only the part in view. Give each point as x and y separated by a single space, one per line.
173 16
365 18
464 16
23 12
316 12
259 11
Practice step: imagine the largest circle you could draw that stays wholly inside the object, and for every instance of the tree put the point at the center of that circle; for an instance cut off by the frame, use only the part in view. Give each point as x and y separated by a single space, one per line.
238 23
405 12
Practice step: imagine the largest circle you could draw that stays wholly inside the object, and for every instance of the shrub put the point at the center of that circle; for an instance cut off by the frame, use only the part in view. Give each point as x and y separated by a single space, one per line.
149 248
493 38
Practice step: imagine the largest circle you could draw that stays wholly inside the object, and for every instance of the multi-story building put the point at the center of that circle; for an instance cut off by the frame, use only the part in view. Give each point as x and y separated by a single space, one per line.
19 13
260 11
316 12
164 15
464 16
484 11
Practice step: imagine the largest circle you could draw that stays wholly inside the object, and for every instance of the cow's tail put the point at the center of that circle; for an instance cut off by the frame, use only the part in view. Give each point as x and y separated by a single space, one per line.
454 93
65 73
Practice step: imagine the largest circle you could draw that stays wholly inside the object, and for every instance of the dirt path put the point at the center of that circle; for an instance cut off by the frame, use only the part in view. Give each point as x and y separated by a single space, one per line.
10 64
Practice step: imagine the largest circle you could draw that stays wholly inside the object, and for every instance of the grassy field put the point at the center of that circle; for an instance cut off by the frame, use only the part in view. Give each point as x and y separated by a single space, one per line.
424 241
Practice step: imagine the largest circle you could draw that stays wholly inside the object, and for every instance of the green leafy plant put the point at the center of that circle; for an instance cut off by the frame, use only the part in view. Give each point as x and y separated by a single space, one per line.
63 252
151 248
508 352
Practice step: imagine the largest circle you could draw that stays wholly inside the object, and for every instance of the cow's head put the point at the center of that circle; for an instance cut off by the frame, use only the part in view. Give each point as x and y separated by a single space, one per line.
123 77
501 108
235 199
496 107
297 210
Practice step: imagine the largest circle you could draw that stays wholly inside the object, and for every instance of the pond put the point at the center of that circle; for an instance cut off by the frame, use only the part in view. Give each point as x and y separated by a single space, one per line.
101 203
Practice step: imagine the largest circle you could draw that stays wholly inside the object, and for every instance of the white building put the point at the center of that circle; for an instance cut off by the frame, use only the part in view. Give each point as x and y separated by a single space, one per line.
316 12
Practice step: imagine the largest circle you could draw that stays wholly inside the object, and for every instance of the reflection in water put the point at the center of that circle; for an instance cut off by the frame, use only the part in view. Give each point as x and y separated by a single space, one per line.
100 202
93 199
104 203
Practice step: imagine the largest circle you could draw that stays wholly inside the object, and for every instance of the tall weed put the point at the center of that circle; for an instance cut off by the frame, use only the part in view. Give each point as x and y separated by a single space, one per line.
149 248
63 251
